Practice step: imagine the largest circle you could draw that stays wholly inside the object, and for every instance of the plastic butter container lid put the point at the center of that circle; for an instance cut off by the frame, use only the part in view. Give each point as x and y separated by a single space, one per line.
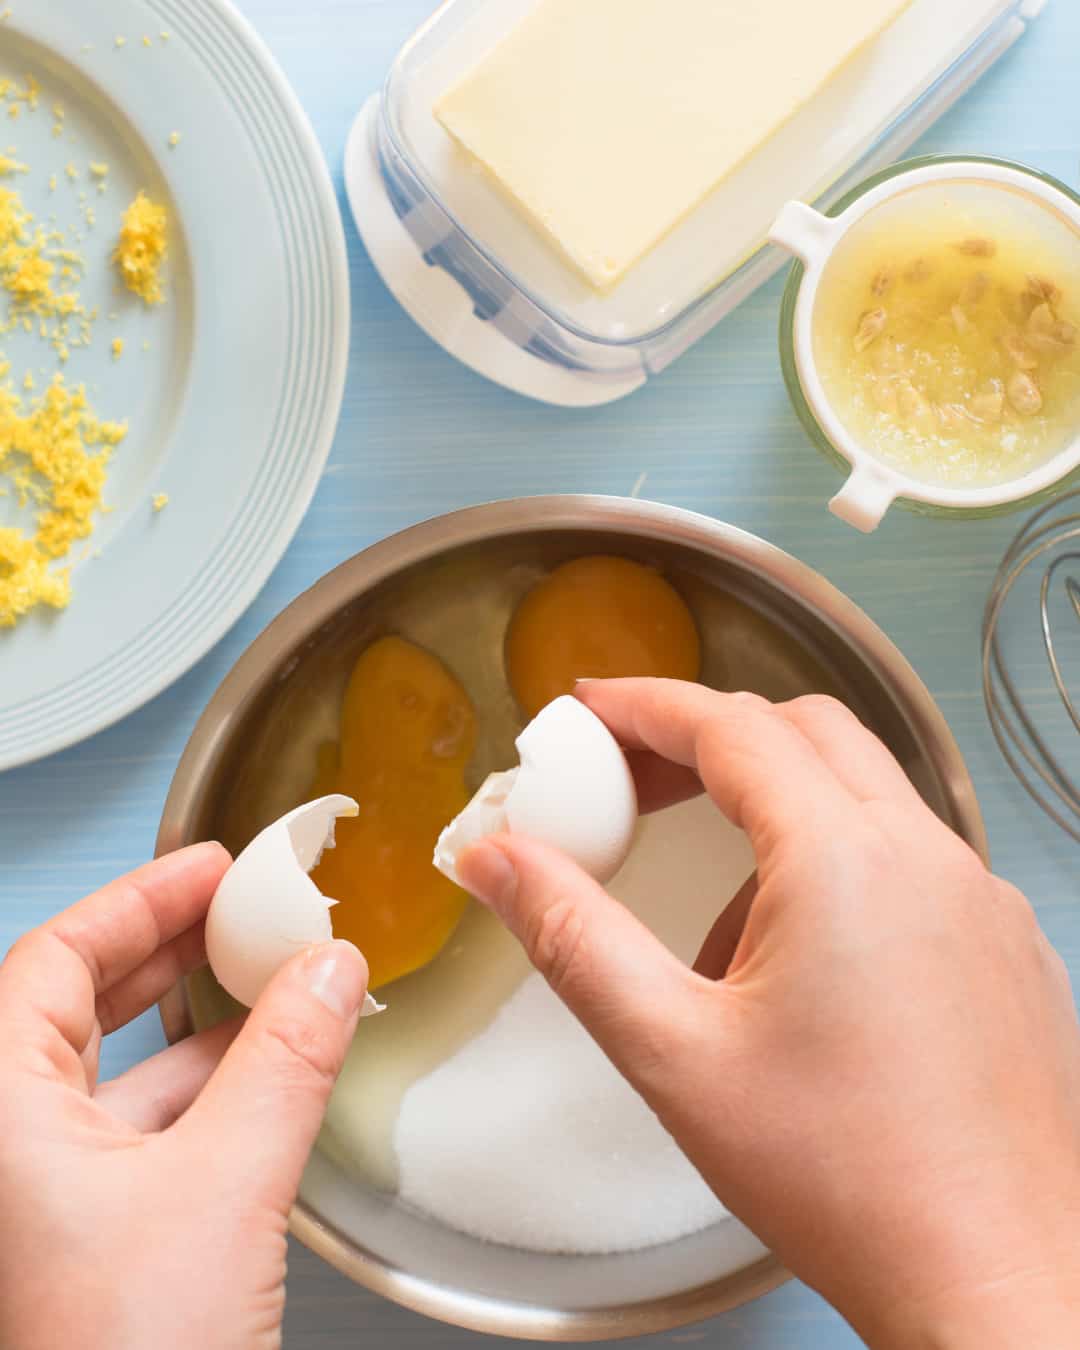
423 207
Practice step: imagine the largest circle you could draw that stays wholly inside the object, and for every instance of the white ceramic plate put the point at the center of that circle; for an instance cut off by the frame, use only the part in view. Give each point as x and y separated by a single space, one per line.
232 389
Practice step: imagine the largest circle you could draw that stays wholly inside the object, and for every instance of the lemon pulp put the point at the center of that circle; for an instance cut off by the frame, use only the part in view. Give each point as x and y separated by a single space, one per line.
947 340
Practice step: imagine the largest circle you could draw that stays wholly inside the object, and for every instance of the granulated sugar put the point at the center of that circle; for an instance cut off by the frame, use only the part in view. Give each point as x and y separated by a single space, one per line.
527 1135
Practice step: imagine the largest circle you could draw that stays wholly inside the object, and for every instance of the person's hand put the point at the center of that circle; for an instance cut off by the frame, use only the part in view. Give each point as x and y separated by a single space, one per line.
876 1062
151 1211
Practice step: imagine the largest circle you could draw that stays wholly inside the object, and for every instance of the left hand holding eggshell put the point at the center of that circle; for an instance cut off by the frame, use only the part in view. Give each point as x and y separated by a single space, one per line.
187 1163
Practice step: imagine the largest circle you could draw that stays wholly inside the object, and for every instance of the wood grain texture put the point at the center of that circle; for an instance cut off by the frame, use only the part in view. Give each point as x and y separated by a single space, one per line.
420 435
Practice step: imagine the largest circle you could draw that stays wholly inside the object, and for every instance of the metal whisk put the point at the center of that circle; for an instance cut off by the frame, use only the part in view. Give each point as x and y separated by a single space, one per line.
1050 540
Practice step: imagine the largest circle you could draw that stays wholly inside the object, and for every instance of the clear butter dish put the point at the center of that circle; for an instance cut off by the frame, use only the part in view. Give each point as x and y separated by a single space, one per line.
487 285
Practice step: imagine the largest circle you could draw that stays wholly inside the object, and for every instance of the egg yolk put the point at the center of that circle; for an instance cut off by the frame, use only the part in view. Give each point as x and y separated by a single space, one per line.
598 618
407 731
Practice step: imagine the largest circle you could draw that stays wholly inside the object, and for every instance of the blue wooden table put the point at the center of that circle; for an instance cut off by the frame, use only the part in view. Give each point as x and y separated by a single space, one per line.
420 435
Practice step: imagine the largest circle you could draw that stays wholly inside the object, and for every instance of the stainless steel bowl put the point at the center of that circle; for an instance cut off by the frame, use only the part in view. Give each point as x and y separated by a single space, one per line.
768 623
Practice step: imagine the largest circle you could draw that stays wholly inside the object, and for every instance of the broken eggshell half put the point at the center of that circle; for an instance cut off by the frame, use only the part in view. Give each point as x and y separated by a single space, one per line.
572 790
267 909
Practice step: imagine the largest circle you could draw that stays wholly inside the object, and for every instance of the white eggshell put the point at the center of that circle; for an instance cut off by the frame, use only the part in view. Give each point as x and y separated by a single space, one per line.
573 790
267 908
484 815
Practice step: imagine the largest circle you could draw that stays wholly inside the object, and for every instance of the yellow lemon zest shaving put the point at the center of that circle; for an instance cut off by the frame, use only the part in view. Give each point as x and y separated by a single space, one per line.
55 452
142 248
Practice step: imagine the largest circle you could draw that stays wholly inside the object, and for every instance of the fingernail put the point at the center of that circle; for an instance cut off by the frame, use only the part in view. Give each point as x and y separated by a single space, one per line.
488 874
337 975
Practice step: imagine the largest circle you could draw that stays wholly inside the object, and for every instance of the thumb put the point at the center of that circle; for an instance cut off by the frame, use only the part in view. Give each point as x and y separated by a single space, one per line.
259 1115
646 1010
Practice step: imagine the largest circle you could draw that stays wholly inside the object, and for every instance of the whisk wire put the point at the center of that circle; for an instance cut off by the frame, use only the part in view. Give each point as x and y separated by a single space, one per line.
1048 636
1045 532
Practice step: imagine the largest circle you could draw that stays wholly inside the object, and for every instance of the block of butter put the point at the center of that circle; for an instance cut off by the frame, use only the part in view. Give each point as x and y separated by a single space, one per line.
608 121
